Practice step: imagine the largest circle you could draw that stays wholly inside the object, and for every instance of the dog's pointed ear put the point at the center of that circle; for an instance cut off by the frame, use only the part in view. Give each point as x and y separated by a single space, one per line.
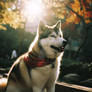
41 24
58 25
42 27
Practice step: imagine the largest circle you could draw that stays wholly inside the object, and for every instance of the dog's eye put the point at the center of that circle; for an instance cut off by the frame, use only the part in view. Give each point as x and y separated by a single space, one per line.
53 36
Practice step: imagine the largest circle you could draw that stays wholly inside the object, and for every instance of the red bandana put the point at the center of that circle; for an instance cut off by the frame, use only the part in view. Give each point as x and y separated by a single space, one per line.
35 62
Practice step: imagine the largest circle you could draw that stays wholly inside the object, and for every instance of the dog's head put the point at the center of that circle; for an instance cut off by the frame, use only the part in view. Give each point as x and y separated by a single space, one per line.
51 39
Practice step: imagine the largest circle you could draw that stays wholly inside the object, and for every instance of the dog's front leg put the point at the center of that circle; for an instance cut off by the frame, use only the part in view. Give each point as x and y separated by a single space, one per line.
51 88
36 89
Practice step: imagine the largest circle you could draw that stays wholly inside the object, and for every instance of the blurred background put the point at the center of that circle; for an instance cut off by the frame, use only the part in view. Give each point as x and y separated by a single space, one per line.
19 20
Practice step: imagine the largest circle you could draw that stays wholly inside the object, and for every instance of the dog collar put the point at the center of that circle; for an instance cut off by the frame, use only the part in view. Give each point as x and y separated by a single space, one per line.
37 62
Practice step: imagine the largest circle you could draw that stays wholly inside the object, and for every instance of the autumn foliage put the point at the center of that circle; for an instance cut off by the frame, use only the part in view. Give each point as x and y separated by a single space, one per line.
71 11
8 15
80 9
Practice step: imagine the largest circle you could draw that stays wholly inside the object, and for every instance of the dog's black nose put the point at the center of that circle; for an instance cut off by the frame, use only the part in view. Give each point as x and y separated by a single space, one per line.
65 42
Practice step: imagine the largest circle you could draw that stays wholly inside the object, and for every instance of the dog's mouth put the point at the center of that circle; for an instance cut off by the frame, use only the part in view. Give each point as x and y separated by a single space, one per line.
59 49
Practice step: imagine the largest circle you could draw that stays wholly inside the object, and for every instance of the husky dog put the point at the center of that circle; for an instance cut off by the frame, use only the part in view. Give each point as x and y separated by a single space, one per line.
38 69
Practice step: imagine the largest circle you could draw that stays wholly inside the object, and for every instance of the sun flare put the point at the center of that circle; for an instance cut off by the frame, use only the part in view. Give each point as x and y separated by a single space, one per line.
33 8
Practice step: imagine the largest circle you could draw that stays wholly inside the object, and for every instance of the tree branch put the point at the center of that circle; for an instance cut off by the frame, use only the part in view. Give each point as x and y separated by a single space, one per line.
75 13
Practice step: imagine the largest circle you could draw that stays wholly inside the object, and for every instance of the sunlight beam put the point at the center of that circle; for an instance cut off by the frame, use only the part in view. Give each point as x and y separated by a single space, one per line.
33 8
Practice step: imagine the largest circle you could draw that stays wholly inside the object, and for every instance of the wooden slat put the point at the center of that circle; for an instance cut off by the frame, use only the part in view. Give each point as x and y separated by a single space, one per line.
66 87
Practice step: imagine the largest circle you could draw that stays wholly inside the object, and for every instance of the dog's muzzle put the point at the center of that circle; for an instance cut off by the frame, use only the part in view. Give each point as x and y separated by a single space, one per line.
61 48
